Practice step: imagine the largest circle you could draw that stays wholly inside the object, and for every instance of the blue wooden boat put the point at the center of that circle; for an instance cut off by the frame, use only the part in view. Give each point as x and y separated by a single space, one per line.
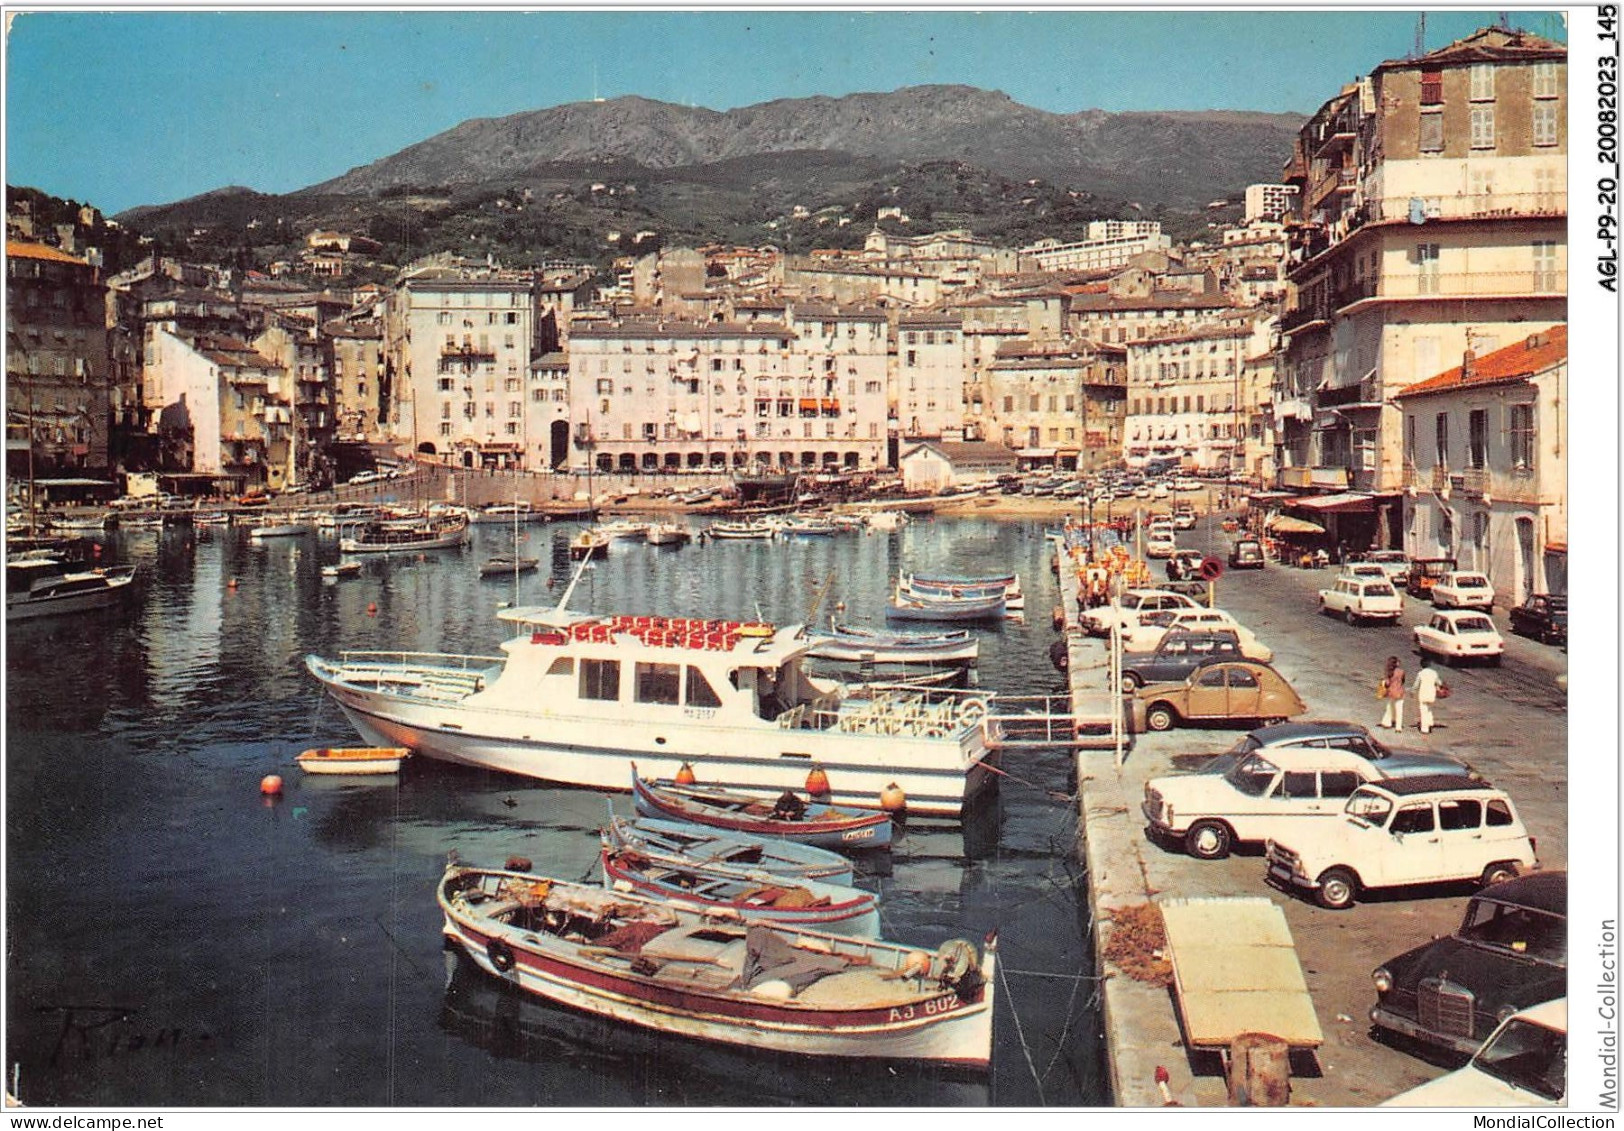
700 845
745 896
905 605
854 644
825 826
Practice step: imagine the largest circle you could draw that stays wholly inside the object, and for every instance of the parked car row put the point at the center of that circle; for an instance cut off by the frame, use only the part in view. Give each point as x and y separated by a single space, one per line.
1341 816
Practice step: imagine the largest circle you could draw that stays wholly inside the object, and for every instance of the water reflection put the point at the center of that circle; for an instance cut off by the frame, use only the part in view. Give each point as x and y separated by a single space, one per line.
302 938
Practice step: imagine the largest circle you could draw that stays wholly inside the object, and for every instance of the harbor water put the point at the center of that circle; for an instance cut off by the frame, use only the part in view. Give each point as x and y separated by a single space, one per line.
176 939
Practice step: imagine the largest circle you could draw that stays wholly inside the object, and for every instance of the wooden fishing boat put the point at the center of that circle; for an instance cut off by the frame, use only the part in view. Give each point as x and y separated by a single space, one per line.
589 544
855 644
700 845
824 826
746 896
668 534
352 759
804 526
656 965
505 565
740 530
397 536
280 530
508 513
341 569
904 605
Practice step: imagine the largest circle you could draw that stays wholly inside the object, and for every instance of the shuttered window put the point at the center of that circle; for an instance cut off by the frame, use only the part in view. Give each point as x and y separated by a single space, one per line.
1432 88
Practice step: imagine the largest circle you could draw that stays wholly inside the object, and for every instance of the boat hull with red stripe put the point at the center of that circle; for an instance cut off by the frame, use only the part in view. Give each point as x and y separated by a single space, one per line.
662 967
823 826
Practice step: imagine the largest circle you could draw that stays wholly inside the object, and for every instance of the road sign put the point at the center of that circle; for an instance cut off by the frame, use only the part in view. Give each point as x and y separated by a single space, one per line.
1211 569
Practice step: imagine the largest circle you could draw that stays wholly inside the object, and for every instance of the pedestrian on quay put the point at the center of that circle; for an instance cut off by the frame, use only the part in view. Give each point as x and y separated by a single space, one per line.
1428 688
1391 688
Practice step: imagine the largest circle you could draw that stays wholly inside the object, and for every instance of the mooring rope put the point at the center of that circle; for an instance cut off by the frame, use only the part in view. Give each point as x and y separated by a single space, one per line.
1003 981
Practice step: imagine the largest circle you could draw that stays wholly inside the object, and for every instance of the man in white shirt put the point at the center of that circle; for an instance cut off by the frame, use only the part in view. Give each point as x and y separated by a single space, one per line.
1426 692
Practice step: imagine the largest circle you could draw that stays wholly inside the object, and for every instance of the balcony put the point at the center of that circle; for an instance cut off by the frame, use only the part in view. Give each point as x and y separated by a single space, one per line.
466 353
1439 478
1475 481
1299 317
1470 206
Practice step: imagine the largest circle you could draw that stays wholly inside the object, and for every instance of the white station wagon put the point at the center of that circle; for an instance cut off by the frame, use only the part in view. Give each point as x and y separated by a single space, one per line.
1362 598
1405 831
1460 589
1461 634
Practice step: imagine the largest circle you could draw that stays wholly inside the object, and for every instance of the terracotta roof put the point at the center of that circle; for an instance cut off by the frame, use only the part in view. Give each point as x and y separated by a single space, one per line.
1533 355
1486 45
17 249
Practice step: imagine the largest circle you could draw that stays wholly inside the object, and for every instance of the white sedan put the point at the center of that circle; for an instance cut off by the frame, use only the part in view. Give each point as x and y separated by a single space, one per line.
1459 634
1463 589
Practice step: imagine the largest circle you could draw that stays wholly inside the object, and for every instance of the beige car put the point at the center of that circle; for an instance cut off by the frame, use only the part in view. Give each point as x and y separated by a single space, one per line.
1217 691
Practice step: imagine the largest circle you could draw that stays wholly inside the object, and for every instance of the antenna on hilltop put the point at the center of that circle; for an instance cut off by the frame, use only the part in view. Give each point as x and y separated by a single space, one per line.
595 97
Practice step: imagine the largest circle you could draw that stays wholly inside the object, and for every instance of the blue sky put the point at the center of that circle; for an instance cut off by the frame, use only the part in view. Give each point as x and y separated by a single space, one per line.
121 109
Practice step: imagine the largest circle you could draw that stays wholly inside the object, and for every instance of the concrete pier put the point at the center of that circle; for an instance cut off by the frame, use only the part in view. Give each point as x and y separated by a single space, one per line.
1337 949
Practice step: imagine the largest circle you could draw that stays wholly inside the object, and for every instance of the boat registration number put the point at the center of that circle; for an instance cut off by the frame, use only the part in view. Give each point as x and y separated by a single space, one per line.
858 834
935 1006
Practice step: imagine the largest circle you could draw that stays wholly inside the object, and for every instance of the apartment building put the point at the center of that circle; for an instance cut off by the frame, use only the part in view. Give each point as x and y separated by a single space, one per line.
1268 202
1184 394
1109 243
1057 402
360 385
57 388
221 408
1485 465
1432 221
459 342
293 343
671 395
927 386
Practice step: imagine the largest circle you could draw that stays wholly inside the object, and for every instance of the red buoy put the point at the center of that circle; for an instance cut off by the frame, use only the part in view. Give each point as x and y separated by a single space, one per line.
817 783
270 785
685 775
372 608
232 584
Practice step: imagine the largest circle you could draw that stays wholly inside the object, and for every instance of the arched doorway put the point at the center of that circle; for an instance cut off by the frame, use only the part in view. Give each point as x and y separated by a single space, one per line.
558 442
1526 579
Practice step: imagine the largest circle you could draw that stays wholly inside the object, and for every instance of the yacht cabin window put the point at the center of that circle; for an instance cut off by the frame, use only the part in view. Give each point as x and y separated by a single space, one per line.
700 692
600 679
659 683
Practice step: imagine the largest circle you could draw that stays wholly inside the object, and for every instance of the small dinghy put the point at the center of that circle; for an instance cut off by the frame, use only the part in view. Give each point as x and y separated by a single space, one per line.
341 569
353 759
506 564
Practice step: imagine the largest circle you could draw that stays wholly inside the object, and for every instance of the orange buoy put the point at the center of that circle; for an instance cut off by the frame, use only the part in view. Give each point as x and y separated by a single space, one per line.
270 785
817 783
892 799
232 584
372 608
685 775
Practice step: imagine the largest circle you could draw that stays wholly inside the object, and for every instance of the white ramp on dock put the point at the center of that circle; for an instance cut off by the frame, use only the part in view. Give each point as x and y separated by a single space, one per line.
1236 971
